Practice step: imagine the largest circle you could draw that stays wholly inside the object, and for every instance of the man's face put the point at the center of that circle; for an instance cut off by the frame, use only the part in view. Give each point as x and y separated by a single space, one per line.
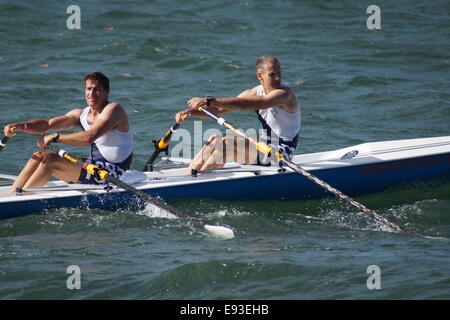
270 76
95 93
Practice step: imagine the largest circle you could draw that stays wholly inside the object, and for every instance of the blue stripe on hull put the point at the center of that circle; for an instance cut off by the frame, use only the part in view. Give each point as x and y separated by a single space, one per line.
112 201
353 181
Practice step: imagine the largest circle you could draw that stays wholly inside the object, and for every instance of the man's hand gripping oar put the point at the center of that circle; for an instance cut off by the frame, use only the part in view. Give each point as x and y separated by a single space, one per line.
219 231
267 150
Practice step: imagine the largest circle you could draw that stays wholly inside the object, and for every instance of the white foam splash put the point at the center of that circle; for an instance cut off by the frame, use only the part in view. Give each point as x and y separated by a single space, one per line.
227 212
153 211
220 232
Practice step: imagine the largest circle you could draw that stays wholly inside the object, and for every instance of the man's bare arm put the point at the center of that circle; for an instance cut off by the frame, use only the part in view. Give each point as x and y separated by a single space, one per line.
278 97
248 100
111 116
181 116
37 126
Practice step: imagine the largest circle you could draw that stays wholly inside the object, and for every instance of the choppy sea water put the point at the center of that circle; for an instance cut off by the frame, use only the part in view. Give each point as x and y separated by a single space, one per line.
355 85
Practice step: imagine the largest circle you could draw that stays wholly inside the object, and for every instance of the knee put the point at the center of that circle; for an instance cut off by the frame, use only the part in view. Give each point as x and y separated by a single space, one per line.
229 140
215 137
38 156
215 141
44 157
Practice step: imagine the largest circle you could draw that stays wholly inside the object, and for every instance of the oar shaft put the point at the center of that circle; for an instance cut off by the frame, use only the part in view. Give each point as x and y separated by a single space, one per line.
261 146
164 141
341 195
160 146
219 231
3 142
264 148
5 139
104 174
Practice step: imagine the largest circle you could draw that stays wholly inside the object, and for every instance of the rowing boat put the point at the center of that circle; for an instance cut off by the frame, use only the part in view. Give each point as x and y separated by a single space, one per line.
356 170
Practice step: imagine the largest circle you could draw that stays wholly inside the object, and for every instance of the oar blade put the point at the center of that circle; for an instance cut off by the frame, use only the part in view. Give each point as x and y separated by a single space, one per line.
217 231
220 231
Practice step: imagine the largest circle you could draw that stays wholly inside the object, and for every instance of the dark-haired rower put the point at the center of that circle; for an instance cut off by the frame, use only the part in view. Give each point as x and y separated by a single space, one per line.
106 130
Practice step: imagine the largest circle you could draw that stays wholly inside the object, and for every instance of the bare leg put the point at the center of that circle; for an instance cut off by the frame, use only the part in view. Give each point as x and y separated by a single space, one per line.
27 171
213 143
242 152
41 167
234 149
215 160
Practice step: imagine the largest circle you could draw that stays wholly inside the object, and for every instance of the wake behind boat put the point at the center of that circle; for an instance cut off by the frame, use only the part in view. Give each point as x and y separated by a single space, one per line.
356 170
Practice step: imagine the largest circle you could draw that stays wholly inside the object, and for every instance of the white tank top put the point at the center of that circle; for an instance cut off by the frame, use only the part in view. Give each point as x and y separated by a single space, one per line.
279 122
114 146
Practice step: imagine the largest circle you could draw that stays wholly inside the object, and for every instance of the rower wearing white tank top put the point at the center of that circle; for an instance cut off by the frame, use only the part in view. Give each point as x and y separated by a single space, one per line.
106 131
281 128
112 151
278 111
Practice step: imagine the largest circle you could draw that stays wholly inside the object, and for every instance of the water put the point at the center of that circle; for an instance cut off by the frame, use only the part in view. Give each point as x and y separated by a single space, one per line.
355 85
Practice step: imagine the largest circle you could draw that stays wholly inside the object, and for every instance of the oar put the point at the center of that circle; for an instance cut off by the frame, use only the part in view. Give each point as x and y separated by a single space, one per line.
264 148
162 144
3 142
5 139
219 231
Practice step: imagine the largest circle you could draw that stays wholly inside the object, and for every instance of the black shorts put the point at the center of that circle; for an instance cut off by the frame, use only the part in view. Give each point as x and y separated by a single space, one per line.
113 169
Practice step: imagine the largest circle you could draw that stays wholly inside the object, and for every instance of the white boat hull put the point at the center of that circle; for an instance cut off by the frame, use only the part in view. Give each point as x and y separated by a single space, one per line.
365 168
